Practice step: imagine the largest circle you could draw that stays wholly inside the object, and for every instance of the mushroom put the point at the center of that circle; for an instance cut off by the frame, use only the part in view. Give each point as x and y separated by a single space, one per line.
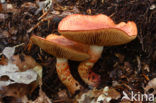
96 31
63 49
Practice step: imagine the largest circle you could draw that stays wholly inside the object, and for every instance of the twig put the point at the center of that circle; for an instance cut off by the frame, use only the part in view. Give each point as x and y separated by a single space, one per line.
32 28
18 45
58 101
139 63
42 20
127 86
146 77
43 15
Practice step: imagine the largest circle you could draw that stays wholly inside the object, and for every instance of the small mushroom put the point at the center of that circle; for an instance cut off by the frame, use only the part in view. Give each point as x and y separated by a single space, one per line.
96 31
63 49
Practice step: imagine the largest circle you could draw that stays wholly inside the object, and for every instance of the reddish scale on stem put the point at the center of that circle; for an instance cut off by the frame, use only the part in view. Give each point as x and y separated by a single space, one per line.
65 76
85 67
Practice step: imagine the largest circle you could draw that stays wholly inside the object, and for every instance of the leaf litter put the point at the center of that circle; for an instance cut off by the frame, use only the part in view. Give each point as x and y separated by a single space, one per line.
130 67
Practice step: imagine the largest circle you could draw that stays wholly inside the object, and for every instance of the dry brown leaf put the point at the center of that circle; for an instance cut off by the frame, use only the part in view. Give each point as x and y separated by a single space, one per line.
24 62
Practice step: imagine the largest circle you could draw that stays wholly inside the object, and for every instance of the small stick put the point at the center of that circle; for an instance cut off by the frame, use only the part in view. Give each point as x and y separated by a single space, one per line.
32 28
35 26
127 86
139 63
58 101
146 77
18 45
43 15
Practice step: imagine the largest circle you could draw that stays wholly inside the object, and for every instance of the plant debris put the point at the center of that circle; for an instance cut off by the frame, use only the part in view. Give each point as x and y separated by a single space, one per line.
14 77
129 67
98 96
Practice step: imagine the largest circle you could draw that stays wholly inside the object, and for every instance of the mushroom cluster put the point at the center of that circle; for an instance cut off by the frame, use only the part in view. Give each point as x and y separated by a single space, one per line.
82 39
63 49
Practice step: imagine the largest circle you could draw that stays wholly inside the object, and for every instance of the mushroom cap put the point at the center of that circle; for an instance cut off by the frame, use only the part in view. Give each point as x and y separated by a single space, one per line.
97 30
62 47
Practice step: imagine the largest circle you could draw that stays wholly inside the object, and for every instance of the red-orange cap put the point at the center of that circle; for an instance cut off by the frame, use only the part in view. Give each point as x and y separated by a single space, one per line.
97 30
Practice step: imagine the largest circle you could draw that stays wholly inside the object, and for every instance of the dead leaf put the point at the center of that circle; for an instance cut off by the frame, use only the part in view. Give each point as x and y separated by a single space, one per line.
24 62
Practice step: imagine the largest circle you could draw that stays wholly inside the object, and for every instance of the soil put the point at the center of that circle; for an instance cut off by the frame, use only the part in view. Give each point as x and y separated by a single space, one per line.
132 65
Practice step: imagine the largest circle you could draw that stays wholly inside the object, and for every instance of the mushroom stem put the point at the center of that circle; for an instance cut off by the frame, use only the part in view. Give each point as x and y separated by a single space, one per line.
65 76
84 69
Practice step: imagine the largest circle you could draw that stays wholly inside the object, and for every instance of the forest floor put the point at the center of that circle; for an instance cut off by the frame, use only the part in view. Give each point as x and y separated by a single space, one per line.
131 65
